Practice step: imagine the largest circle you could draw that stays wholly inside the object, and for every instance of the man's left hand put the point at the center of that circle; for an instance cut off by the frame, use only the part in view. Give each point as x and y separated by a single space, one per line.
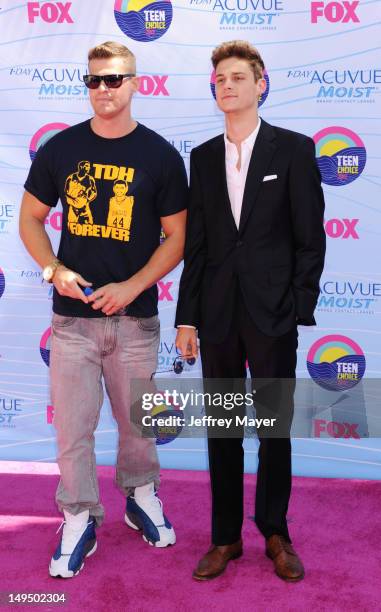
114 296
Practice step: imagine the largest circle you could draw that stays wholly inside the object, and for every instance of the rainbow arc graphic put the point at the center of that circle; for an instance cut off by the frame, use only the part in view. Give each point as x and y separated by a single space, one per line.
165 435
336 362
341 155
45 133
45 346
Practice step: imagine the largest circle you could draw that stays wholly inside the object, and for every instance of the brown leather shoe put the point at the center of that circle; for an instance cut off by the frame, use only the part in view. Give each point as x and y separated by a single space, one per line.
287 564
216 559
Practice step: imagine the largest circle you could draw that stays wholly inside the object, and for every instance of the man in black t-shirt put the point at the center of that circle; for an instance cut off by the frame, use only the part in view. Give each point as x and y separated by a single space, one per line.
119 183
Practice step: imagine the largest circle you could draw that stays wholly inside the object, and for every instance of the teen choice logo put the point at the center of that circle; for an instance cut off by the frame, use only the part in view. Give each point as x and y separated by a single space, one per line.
336 363
213 83
341 155
45 346
2 282
166 423
43 135
263 97
142 20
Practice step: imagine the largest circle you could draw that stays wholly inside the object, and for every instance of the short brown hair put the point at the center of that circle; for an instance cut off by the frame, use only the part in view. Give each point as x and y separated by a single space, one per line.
243 50
110 49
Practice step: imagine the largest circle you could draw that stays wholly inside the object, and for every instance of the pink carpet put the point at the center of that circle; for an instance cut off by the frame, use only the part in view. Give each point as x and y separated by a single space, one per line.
335 525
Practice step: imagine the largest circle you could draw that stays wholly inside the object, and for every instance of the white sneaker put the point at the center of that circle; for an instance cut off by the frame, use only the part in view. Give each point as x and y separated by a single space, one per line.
78 541
144 511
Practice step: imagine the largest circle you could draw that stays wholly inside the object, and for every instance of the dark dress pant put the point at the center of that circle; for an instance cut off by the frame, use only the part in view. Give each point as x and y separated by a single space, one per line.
268 358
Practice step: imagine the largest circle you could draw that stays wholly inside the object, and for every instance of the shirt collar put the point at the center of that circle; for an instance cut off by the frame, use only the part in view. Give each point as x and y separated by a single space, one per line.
249 141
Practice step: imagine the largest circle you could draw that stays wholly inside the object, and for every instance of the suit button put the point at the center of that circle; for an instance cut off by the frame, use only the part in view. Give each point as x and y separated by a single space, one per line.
239 243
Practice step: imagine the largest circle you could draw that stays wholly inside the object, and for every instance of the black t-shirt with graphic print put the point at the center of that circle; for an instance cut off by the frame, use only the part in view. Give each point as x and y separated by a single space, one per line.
113 193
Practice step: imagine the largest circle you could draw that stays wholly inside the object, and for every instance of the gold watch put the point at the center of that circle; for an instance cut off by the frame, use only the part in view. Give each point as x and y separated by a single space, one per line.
49 271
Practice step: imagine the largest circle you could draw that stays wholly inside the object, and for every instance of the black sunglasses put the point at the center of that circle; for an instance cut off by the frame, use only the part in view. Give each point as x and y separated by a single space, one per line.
178 365
92 81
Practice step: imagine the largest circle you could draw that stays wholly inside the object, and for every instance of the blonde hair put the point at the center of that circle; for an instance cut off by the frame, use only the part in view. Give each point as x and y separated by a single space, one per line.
110 49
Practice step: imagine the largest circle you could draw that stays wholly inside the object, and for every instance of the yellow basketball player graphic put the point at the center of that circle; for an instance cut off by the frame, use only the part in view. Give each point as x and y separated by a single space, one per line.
120 206
80 191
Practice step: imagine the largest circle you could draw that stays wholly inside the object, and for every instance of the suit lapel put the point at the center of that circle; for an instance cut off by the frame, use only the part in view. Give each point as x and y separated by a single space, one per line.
220 169
263 151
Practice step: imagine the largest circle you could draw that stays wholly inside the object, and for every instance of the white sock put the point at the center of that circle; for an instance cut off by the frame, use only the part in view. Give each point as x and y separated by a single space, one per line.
144 491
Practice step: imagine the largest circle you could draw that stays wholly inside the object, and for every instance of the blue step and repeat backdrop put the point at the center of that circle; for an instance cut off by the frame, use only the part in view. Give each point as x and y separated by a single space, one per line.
323 79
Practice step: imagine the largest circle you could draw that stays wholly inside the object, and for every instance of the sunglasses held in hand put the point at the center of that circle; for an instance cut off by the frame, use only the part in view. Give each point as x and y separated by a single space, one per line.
112 81
178 365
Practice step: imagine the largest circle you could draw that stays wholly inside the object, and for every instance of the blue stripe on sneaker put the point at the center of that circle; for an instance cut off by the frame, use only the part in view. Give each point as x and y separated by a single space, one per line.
85 543
137 516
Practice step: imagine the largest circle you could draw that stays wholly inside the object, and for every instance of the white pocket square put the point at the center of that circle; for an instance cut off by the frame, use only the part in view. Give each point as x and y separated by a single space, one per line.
270 177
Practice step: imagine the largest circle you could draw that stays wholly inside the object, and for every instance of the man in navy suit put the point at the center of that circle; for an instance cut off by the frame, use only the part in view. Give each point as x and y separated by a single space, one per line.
254 255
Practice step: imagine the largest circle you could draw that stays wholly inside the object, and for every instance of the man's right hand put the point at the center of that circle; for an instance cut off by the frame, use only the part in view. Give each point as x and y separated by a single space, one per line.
68 284
186 342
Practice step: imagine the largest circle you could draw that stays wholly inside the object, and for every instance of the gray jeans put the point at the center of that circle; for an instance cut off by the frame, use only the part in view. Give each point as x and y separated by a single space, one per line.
82 351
